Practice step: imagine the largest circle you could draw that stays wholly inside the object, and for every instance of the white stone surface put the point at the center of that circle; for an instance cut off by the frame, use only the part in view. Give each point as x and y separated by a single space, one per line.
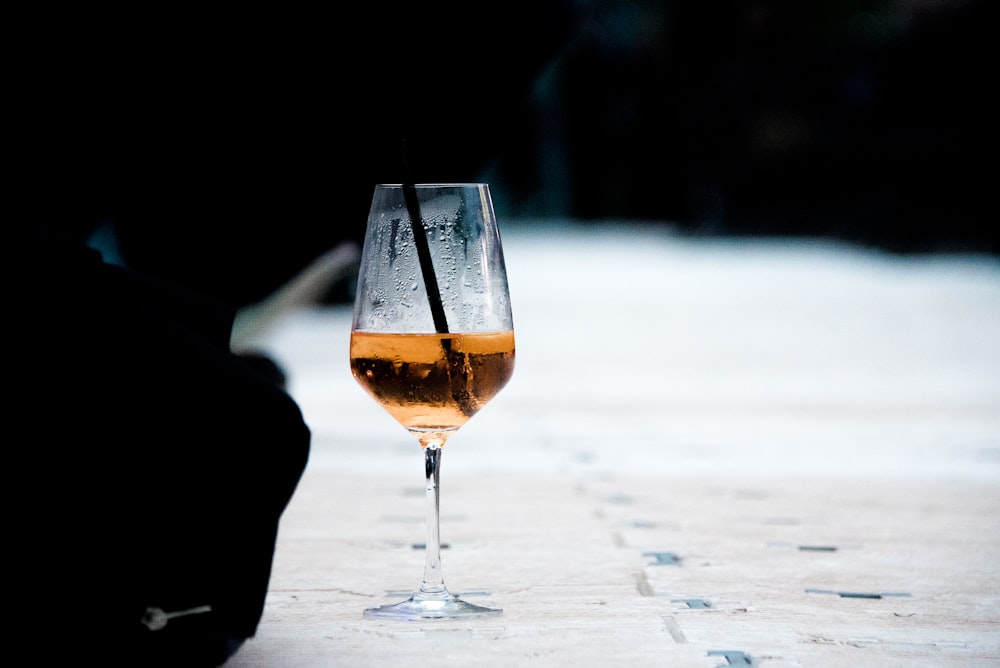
639 350
725 401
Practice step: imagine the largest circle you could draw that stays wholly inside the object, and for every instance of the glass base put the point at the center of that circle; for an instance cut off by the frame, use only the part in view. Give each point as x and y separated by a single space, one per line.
446 606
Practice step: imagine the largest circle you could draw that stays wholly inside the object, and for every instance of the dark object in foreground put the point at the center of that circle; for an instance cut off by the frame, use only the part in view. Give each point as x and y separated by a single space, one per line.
153 467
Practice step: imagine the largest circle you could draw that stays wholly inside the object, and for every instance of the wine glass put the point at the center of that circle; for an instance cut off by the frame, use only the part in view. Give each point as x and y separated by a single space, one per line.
432 338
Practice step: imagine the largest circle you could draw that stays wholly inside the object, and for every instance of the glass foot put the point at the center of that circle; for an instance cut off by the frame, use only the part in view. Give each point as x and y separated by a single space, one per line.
447 606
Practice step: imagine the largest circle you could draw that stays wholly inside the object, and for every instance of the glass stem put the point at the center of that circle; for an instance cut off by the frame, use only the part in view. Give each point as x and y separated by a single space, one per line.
433 584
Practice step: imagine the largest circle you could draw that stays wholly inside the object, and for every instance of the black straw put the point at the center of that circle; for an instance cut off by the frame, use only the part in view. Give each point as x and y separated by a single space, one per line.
423 248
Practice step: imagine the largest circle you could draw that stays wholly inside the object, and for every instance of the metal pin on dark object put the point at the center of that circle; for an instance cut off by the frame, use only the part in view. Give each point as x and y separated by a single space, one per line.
155 619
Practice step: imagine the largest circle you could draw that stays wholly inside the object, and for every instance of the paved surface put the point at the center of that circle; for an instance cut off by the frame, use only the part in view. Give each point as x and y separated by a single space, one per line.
712 452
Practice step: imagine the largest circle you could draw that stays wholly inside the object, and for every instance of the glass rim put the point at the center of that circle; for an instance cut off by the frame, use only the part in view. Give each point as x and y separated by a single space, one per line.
469 184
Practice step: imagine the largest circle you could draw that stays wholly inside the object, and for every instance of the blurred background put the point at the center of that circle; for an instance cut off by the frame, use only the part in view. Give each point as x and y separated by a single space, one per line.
227 150
864 120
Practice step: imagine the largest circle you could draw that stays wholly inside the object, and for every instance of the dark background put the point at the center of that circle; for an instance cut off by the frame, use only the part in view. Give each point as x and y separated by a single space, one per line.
227 150
863 120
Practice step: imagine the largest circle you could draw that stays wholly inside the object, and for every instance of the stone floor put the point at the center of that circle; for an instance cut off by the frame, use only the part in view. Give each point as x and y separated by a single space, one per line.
713 452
